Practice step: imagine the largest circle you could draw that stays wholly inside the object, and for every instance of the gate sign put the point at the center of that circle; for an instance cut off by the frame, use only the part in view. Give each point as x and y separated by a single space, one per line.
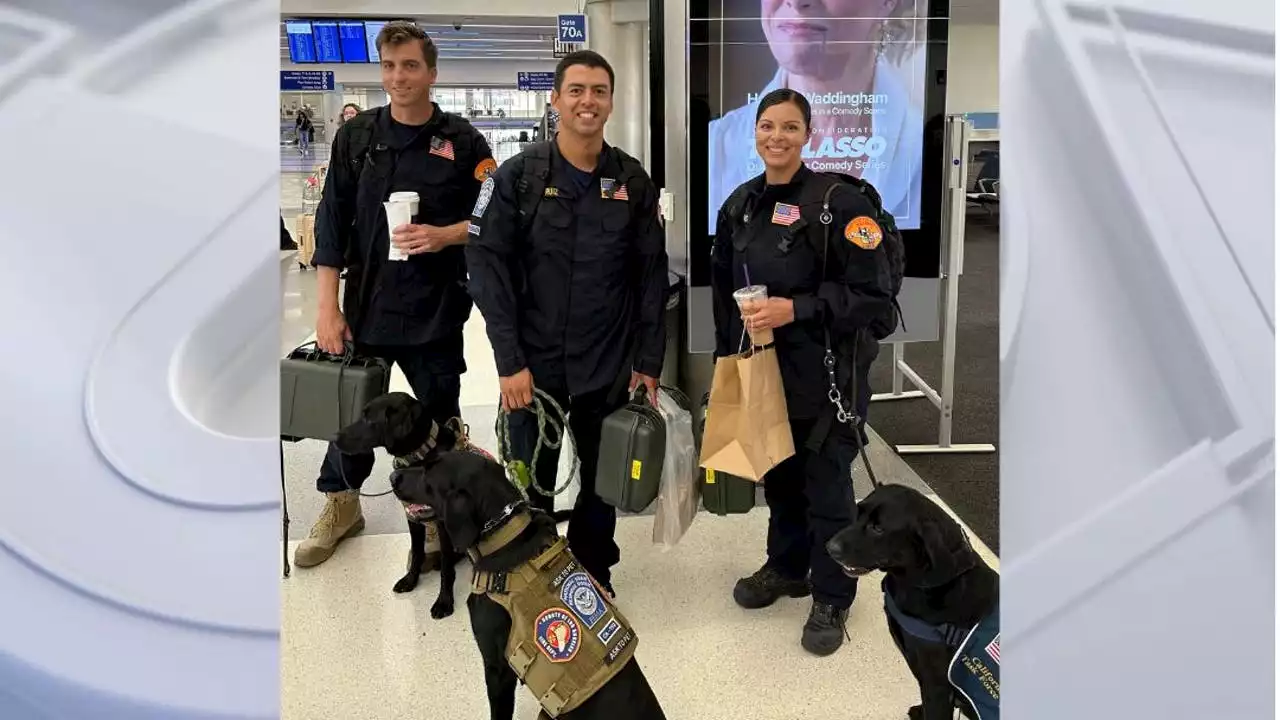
572 28
535 81
306 80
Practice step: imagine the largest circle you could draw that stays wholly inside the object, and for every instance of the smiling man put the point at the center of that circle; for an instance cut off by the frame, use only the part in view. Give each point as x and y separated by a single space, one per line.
568 265
407 311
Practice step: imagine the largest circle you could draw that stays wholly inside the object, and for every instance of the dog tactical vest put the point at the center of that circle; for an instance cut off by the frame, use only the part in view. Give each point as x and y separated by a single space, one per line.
567 639
975 668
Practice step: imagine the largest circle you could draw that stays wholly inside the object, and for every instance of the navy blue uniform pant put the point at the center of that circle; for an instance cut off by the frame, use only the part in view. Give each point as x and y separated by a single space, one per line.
593 521
434 372
810 498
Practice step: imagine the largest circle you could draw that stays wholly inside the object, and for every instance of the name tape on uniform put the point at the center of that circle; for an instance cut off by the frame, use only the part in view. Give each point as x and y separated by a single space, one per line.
487 167
863 232
486 194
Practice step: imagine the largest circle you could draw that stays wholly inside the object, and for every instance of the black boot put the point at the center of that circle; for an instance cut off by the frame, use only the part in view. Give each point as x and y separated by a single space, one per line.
765 587
825 631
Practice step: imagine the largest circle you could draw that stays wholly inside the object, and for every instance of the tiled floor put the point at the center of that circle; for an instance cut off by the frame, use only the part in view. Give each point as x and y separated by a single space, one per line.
353 650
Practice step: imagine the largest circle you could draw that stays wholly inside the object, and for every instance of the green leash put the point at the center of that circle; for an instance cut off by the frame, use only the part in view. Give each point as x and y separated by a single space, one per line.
552 431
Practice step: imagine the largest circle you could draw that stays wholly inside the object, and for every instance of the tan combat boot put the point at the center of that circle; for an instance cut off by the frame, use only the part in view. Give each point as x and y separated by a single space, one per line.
340 519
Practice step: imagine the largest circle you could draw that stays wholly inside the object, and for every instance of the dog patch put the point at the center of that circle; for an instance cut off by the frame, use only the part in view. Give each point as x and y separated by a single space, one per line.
558 635
607 632
563 575
993 649
616 651
482 202
486 168
580 596
442 147
785 215
611 189
863 232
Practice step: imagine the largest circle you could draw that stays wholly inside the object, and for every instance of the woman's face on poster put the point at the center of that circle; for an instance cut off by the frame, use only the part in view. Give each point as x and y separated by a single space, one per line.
817 38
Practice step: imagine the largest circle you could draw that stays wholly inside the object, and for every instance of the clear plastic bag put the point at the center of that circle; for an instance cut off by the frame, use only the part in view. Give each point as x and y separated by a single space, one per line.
677 503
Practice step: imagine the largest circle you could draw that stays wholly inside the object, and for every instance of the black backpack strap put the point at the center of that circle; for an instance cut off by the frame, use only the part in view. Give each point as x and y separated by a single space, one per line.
360 138
532 185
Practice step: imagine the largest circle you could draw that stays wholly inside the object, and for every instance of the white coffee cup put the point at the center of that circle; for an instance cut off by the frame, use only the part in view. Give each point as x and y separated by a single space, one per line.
411 197
398 213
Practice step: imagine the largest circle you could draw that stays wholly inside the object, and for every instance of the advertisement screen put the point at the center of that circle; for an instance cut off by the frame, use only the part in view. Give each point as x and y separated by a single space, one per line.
861 65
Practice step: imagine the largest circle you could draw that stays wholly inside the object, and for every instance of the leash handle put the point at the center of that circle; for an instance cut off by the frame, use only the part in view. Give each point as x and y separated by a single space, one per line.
524 477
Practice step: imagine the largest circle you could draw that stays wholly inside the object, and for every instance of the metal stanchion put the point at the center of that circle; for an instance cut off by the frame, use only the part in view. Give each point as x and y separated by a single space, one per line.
953 235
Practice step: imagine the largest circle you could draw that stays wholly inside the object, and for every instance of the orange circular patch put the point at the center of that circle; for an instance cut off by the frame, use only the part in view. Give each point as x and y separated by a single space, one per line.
486 168
863 232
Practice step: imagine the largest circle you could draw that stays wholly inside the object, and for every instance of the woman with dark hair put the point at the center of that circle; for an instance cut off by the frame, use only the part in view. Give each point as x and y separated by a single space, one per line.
349 111
823 291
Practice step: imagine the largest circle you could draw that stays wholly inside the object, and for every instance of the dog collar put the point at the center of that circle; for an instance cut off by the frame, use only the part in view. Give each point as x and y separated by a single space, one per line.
403 461
500 531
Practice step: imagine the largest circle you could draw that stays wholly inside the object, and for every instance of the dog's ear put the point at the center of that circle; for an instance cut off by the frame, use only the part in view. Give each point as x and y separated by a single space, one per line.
401 420
946 549
458 513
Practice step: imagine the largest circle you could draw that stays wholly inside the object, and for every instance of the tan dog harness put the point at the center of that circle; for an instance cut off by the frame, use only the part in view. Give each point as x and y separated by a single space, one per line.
567 638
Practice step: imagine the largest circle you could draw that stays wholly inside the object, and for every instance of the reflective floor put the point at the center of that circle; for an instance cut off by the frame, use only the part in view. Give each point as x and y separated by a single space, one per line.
353 649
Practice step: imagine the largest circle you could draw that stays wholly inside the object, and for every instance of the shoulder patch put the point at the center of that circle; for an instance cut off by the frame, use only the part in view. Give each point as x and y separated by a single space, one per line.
487 167
863 232
486 194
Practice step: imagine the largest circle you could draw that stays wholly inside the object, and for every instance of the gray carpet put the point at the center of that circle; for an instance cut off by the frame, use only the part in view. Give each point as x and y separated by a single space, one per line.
968 483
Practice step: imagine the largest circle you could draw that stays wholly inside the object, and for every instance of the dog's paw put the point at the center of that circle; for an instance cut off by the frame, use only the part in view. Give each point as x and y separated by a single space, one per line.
442 608
406 583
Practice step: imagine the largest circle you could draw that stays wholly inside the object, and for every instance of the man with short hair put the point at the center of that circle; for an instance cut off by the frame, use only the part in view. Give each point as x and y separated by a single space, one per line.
409 312
568 265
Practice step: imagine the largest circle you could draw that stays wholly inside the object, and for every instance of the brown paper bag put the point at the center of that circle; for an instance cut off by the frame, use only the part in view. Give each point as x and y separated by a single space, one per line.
747 432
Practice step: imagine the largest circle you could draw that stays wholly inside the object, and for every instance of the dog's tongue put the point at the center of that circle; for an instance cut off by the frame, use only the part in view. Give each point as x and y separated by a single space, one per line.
416 511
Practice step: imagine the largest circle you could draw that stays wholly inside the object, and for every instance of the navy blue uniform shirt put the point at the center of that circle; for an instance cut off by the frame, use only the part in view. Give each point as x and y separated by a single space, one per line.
576 292
768 244
445 161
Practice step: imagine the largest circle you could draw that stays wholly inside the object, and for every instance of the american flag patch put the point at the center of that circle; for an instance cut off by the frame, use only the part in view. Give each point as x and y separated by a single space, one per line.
610 190
993 649
784 214
442 147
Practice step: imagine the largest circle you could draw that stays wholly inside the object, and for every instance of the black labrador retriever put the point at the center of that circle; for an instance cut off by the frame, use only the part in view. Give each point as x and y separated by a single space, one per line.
473 499
398 422
932 574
